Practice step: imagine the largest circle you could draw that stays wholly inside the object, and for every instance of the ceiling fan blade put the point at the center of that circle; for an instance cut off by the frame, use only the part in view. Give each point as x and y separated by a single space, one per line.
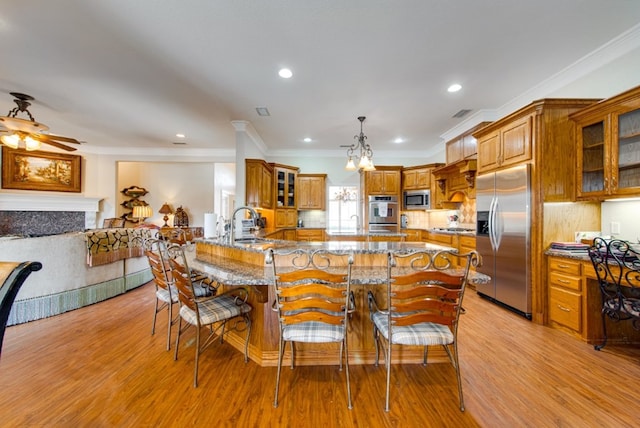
46 140
60 138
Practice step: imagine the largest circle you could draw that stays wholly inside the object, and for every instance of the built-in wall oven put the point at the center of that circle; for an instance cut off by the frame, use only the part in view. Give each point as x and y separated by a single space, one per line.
383 213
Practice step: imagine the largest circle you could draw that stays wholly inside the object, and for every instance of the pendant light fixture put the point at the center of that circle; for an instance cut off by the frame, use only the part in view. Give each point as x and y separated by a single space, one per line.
364 155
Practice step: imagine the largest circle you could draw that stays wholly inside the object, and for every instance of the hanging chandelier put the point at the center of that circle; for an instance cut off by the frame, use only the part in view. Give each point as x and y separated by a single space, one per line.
364 154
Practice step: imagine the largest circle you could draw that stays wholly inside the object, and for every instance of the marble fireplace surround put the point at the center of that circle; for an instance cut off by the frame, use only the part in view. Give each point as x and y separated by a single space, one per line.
45 214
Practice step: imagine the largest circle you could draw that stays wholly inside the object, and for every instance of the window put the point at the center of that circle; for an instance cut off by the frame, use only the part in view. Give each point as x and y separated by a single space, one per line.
343 209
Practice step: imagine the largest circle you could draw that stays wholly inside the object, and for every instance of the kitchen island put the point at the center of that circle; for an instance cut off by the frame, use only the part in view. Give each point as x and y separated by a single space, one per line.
244 264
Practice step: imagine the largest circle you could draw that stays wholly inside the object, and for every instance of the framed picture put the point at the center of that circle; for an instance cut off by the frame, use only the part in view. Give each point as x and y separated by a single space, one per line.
36 170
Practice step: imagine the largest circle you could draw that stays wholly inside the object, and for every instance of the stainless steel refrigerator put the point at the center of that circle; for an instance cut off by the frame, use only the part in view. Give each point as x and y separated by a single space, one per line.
503 237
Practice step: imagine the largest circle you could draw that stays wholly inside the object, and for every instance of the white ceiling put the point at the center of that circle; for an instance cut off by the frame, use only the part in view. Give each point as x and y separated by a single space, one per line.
123 74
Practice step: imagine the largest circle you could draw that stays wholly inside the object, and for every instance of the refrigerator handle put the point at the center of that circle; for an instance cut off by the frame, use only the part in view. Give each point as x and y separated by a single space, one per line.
492 224
498 228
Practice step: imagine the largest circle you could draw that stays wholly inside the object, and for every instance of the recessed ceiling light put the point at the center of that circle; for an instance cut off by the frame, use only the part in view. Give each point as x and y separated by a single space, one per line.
180 135
263 111
398 140
307 140
454 88
285 73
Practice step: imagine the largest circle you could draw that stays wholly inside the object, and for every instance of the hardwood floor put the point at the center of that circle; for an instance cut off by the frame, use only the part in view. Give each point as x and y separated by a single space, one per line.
100 367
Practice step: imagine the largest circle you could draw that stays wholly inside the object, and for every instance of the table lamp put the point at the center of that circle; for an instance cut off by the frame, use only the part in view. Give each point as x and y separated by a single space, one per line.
166 210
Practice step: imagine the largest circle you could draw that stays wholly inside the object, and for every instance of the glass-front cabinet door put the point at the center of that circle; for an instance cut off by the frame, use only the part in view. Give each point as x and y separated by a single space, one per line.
626 156
592 159
608 137
285 188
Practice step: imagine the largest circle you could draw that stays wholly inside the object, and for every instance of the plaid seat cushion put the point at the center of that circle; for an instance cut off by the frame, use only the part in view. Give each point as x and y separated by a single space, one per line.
202 290
214 310
422 334
313 332
629 305
163 295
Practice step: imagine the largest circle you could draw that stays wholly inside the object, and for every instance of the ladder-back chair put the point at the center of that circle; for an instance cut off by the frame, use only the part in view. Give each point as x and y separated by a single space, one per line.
215 312
424 295
313 300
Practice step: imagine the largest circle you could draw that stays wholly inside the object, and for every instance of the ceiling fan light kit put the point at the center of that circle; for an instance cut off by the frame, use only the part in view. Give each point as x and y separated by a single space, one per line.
29 132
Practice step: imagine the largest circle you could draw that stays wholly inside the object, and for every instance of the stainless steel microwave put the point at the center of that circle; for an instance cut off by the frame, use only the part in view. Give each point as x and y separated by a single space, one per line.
417 200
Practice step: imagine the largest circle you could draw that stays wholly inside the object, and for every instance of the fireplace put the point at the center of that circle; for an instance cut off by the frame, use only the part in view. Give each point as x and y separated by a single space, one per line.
38 215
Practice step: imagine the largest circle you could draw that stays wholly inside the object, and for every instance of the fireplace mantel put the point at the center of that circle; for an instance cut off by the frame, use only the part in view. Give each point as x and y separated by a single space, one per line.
40 202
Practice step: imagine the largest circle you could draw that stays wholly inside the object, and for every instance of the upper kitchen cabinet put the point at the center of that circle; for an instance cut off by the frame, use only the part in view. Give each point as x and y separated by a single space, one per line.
464 146
311 191
286 195
385 180
608 140
505 146
540 133
285 185
259 184
418 177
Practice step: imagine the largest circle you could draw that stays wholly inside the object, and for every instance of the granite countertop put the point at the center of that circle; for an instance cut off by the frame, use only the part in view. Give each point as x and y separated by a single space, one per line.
358 247
232 272
568 255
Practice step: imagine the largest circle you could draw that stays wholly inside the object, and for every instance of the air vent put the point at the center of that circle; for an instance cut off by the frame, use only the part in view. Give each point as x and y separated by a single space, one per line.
179 143
462 113
263 111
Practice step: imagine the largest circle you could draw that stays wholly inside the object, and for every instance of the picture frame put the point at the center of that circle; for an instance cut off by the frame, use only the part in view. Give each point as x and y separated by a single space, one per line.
38 170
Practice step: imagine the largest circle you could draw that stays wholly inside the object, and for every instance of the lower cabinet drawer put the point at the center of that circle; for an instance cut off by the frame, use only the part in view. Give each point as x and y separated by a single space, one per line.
565 308
566 281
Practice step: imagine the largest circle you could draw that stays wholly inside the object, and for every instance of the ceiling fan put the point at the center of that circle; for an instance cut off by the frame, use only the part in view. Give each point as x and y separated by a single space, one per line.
32 133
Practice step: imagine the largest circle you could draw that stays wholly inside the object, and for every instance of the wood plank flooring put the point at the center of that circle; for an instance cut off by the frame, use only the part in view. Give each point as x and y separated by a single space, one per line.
99 366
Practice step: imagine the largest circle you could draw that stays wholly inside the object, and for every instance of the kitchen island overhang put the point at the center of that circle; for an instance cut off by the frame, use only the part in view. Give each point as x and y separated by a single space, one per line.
244 264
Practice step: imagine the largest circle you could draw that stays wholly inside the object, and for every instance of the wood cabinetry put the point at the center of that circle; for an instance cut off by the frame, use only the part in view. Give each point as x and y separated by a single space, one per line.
505 146
575 303
285 195
310 235
417 177
259 184
565 294
608 140
311 191
385 180
285 217
285 186
540 134
462 147
413 235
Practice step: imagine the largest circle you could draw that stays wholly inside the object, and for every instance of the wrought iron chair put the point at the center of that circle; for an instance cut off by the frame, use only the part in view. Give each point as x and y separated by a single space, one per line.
617 266
12 276
166 292
423 303
313 300
214 312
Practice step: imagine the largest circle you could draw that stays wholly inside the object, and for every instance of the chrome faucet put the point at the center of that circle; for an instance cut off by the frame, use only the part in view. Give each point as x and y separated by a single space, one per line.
254 217
358 229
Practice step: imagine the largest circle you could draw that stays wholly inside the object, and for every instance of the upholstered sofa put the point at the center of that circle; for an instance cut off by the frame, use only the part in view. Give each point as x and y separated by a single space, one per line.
69 278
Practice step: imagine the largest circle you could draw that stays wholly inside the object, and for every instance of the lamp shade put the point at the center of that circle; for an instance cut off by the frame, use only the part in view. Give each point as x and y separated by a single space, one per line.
165 209
142 211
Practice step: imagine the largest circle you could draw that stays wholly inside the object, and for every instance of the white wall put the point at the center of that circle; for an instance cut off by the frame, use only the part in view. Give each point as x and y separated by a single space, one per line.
624 212
190 185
